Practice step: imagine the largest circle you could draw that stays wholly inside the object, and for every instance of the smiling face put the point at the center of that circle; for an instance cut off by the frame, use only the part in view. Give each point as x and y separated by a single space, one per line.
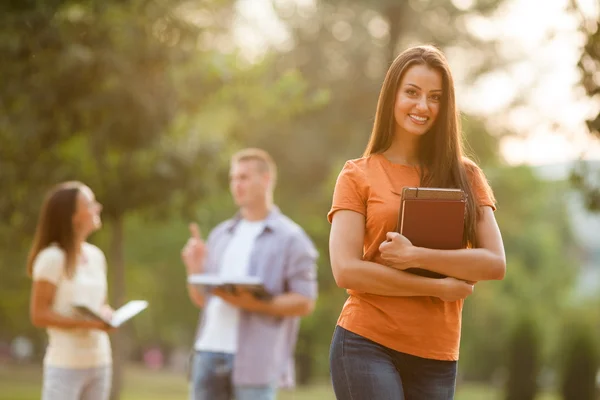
418 100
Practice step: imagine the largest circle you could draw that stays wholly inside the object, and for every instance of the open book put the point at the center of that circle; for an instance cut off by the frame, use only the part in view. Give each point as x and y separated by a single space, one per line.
253 284
119 317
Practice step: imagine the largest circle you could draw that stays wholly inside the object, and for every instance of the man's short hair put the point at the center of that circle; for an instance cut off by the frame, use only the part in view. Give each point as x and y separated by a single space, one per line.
265 161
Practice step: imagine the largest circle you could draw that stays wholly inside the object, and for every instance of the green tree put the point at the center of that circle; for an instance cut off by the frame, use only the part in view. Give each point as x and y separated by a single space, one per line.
583 177
103 96
580 361
523 360
118 95
541 263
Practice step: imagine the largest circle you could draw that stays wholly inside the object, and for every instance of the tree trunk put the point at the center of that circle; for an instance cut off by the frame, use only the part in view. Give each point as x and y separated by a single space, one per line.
304 370
117 299
393 16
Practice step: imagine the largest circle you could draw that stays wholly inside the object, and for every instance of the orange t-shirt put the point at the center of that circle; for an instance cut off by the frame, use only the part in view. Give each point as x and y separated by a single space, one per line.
422 326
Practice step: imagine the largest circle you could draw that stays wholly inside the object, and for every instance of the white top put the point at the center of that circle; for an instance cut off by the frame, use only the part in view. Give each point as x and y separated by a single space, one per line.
220 330
75 348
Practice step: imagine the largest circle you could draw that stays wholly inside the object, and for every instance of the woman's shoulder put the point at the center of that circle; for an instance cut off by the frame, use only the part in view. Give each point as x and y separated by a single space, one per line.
357 170
49 263
93 250
469 163
362 164
471 167
479 182
52 253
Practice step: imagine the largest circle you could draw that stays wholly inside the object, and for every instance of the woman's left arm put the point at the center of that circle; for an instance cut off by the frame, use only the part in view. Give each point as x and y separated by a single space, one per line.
487 262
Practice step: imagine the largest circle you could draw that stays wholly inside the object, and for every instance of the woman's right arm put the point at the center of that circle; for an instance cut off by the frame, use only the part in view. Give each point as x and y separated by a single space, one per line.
352 272
42 315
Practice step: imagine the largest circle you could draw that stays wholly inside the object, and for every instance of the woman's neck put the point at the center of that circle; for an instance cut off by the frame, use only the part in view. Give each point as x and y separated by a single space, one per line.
79 245
403 151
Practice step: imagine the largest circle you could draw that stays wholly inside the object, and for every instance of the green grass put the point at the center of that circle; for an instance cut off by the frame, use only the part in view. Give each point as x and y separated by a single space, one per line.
23 383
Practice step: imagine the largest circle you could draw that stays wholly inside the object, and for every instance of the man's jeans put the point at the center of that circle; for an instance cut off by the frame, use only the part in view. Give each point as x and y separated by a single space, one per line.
212 380
363 370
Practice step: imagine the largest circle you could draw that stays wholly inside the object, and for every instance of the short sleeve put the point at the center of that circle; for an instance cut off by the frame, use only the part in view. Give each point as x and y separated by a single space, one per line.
301 271
350 191
482 190
49 265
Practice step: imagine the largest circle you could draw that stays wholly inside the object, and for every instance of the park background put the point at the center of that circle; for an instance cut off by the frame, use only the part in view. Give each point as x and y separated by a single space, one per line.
145 100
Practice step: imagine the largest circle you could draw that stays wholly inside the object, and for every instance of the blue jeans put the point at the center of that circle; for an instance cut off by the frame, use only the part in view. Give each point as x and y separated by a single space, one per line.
362 370
212 380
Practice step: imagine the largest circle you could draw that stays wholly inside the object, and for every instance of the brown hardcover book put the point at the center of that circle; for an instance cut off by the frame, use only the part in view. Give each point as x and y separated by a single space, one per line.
433 218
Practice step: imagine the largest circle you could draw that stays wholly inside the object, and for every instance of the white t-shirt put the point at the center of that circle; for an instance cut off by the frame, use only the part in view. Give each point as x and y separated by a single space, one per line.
75 348
220 330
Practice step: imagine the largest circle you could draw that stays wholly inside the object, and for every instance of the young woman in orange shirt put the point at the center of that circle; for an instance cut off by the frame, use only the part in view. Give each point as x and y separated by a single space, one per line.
398 333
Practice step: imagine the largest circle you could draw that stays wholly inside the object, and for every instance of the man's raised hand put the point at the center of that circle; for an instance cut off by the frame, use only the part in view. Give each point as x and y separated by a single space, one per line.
194 251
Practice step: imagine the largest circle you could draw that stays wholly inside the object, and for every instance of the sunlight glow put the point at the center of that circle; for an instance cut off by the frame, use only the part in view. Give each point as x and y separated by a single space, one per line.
535 96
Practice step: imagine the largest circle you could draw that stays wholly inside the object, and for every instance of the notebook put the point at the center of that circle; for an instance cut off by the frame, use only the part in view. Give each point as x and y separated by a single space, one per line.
433 218
119 317
252 284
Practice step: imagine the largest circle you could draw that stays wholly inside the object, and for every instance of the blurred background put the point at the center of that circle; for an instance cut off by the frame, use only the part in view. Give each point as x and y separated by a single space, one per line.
145 100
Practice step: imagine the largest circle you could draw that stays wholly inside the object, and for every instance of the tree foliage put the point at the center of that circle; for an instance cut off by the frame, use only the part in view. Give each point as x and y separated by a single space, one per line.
580 361
523 360
584 178
119 95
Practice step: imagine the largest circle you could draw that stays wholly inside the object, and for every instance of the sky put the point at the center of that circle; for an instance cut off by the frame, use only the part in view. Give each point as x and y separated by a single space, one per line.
549 124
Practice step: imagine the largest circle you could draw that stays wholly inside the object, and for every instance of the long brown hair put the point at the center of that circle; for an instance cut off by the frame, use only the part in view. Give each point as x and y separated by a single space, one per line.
55 225
440 149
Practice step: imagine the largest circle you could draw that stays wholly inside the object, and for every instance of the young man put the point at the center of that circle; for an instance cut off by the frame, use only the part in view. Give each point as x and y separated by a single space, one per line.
244 346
